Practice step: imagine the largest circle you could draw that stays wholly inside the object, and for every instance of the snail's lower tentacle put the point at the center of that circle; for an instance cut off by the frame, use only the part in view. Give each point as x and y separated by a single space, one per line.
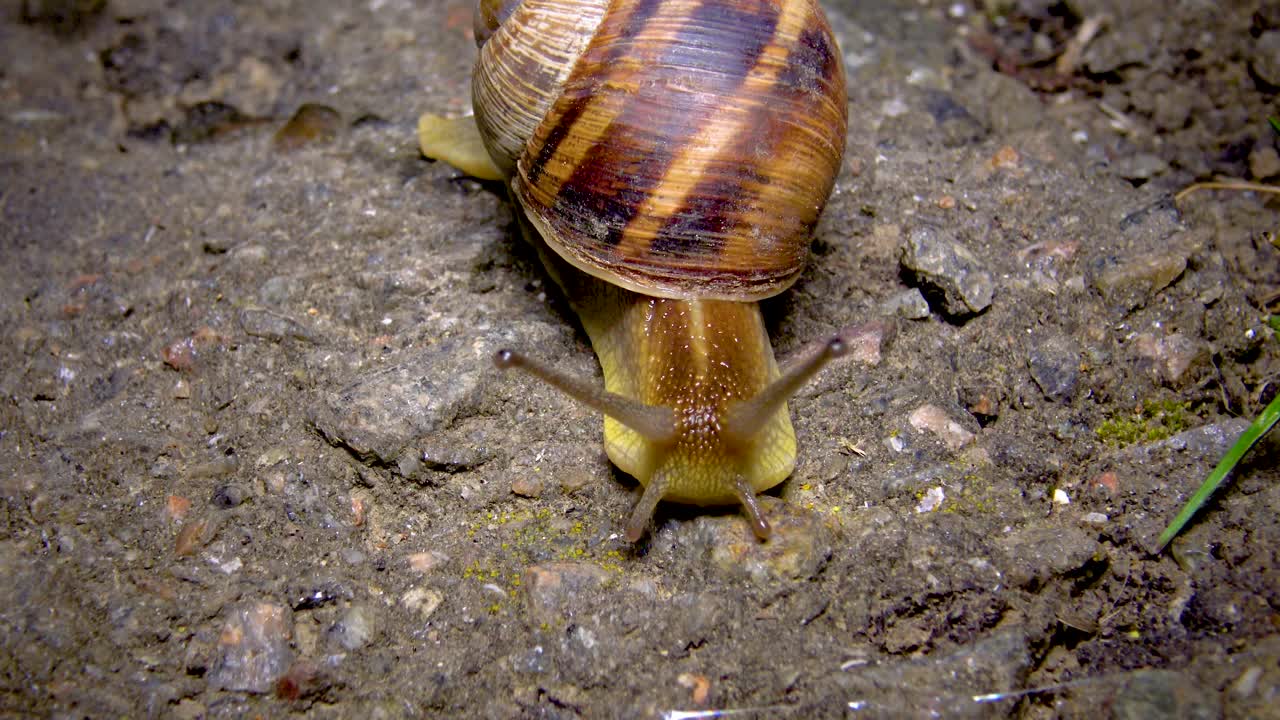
747 497
643 512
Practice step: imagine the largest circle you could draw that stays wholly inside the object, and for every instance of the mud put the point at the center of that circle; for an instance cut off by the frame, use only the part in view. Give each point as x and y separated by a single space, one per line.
256 461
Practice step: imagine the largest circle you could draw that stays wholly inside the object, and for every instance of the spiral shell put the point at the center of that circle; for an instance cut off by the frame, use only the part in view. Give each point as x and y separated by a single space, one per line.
677 148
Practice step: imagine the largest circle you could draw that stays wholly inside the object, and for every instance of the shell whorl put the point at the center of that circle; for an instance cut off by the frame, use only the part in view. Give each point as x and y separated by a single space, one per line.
680 148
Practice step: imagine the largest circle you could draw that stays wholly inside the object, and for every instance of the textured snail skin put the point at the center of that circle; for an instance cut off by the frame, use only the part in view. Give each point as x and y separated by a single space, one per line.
670 159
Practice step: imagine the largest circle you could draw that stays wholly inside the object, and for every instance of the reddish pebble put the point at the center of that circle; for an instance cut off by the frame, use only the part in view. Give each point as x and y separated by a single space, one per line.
81 282
176 507
180 355
698 684
304 679
425 562
357 510
190 538
1006 157
1107 481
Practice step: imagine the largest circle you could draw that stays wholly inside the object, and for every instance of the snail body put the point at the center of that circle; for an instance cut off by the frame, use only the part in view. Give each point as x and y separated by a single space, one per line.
669 159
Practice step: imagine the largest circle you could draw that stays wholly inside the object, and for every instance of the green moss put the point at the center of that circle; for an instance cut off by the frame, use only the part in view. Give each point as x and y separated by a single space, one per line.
976 496
525 536
1156 421
481 572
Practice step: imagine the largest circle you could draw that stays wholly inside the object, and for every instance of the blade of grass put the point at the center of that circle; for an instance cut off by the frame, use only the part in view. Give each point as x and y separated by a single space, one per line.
1261 425
1275 124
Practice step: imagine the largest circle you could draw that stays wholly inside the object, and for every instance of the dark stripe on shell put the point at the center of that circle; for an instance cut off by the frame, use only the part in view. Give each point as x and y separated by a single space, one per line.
555 137
713 215
684 81
812 65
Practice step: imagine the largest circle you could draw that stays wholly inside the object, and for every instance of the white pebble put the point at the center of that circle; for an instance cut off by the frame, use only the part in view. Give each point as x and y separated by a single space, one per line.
931 501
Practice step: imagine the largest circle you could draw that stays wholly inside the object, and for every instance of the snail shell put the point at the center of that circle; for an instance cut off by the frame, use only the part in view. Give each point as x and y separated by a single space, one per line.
677 148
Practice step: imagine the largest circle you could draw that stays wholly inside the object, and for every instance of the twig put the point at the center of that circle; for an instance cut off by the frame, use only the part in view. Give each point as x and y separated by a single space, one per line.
1227 185
1069 60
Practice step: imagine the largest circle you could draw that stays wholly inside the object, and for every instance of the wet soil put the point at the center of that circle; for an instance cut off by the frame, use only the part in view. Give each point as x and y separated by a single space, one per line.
256 462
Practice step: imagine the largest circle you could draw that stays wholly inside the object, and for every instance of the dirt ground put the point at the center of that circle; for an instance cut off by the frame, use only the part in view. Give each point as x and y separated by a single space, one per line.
255 461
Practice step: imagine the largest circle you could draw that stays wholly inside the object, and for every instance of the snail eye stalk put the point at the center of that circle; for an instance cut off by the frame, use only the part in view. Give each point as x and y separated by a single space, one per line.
748 417
657 424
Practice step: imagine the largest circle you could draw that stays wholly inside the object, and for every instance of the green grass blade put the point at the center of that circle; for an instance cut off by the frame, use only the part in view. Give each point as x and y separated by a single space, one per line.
1248 439
1275 124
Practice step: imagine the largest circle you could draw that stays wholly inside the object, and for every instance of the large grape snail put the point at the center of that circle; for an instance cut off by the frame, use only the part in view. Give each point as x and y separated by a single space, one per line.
669 159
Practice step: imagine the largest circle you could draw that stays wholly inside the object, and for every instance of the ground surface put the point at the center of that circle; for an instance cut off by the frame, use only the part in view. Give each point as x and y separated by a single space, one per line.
254 460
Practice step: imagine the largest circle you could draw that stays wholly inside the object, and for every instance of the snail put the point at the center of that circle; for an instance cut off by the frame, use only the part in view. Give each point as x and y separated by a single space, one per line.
669 159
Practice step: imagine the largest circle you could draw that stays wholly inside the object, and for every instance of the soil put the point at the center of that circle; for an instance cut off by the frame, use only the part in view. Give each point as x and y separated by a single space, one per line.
256 461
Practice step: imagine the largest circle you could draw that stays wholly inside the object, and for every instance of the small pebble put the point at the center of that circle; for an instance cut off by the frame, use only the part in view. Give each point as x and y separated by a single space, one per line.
425 562
982 402
312 124
909 304
176 507
1006 158
934 419
530 486
1265 59
866 342
1107 481
1140 167
698 685
573 478
355 629
940 261
422 601
1054 363
305 679
1170 356
253 649
1264 162
272 326
1247 683
228 496
1131 283
932 500
195 534
1033 555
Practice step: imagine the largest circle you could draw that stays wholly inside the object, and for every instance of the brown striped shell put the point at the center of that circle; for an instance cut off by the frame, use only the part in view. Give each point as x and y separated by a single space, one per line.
679 148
